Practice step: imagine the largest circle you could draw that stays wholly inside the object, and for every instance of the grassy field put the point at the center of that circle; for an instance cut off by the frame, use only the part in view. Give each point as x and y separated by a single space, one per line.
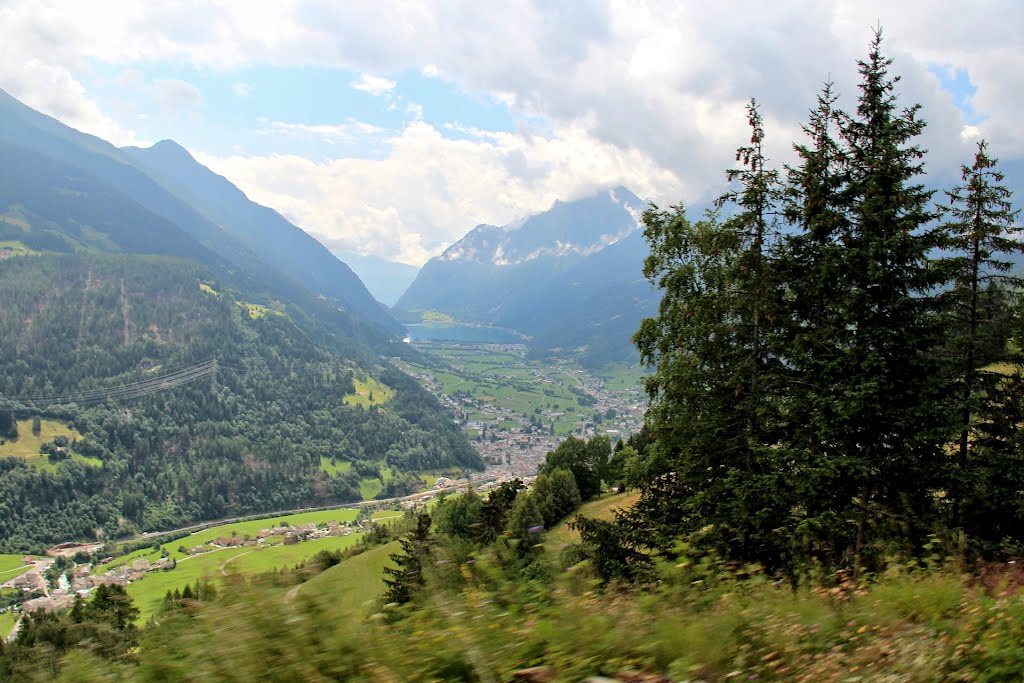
279 556
28 445
620 376
7 622
600 508
349 586
148 593
250 527
10 564
336 467
369 392
369 488
9 248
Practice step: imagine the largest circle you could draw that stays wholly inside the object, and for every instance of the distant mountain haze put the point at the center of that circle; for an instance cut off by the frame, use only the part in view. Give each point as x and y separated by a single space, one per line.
386 280
570 277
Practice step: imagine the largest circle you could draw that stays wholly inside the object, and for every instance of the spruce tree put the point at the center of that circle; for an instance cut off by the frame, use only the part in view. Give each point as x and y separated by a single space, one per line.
980 223
810 260
713 395
406 578
869 363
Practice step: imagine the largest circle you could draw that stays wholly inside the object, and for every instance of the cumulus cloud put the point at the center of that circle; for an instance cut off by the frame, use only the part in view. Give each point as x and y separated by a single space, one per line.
431 189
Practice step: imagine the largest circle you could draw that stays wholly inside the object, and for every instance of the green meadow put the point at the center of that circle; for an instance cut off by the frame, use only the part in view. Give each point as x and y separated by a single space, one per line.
349 586
599 508
11 566
247 528
148 593
28 445
369 392
7 622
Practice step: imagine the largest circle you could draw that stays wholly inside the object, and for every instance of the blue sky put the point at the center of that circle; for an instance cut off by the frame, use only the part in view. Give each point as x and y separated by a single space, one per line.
263 107
392 127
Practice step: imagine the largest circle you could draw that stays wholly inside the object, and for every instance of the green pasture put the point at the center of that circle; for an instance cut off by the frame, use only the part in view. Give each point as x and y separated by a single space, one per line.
251 528
7 621
10 565
28 445
13 247
335 467
381 515
261 560
148 593
599 508
369 392
349 586
370 488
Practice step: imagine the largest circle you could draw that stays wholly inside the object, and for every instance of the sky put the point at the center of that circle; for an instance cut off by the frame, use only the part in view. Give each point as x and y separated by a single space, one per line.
393 127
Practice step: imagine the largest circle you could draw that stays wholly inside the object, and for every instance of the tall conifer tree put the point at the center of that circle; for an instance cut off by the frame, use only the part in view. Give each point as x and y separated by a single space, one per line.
980 223
406 578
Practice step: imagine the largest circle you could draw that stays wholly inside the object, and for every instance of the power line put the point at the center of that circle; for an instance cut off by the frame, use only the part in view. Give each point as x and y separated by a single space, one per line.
130 390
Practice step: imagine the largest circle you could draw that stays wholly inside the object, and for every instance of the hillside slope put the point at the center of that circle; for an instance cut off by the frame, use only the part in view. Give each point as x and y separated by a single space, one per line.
262 230
89 157
250 438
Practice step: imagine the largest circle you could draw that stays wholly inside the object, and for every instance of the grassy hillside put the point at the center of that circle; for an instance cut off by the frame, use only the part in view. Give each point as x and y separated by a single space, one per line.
349 586
600 508
28 446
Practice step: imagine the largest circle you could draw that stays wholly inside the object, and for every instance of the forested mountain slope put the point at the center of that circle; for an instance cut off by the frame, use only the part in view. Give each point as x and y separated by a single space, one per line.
249 439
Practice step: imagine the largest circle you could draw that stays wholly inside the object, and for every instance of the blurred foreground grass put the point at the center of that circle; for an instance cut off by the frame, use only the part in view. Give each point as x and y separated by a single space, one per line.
703 621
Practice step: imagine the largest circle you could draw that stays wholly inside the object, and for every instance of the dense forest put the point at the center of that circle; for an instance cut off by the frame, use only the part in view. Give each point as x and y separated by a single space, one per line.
249 438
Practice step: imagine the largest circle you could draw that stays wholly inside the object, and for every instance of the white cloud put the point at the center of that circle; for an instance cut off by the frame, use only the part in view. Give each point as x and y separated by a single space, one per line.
241 89
350 131
373 84
430 189
661 81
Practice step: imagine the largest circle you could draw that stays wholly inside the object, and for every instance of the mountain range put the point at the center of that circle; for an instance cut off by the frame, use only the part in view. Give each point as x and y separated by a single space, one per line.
213 221
123 269
569 277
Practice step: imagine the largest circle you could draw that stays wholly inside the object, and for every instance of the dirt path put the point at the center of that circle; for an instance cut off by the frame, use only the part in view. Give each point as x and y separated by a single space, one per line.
232 559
